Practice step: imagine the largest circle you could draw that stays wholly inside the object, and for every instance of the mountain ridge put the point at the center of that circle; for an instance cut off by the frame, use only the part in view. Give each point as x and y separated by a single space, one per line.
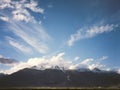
57 78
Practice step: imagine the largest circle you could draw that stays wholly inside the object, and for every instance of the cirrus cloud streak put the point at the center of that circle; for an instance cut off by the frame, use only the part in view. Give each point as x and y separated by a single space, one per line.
89 32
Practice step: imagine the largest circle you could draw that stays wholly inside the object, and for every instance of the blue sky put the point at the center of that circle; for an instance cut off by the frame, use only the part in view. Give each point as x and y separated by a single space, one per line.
81 29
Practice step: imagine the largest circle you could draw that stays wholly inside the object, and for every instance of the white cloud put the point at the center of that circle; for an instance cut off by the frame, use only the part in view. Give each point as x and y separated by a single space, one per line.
17 45
5 4
43 61
33 6
1 56
21 17
103 58
87 61
19 9
77 58
93 31
4 18
32 34
56 60
96 65
118 71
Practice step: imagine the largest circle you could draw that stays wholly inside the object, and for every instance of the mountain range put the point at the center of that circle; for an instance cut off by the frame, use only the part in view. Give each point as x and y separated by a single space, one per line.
55 77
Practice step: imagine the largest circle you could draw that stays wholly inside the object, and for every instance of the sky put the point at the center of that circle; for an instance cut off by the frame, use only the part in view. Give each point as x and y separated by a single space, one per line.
68 33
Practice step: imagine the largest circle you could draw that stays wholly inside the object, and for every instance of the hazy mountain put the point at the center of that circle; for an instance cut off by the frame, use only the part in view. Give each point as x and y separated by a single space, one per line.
83 70
56 77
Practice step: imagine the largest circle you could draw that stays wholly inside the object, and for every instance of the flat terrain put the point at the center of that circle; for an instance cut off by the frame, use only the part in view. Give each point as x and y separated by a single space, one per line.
60 88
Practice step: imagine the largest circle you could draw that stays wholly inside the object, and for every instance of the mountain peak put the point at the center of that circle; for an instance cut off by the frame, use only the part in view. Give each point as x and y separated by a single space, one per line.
96 70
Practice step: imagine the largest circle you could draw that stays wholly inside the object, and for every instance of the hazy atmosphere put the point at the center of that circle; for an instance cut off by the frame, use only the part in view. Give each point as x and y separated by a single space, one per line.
67 33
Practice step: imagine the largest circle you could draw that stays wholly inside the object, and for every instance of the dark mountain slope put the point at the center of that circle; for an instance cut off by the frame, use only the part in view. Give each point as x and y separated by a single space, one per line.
89 78
2 75
58 78
33 77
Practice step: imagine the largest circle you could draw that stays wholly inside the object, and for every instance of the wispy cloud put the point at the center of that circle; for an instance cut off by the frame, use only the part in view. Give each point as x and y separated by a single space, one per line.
19 46
87 61
55 60
50 5
89 32
32 34
103 58
22 23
